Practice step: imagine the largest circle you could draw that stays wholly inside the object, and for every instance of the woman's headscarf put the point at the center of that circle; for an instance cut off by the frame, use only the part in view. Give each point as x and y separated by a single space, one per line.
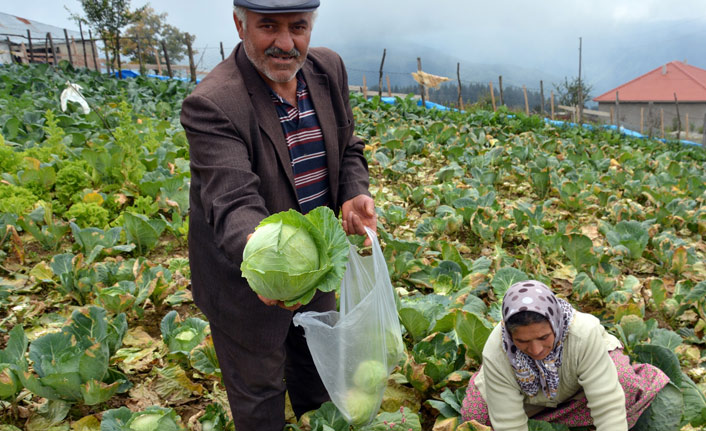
531 374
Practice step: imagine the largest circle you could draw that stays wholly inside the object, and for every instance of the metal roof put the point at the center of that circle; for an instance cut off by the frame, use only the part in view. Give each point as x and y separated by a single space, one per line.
16 27
660 85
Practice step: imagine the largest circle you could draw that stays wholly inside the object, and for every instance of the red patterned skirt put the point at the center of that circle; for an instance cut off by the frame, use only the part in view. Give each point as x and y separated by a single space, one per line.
641 382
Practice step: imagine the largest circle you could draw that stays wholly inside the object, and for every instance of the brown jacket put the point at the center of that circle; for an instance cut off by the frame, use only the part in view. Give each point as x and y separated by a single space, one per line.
241 173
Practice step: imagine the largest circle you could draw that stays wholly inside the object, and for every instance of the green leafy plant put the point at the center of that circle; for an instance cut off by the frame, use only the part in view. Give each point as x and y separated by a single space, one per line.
628 238
182 336
76 278
71 179
88 215
433 361
93 241
291 255
43 226
142 231
73 365
150 419
11 357
16 200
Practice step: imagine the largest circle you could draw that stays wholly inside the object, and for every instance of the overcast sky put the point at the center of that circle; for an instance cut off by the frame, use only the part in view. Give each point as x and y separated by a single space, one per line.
541 34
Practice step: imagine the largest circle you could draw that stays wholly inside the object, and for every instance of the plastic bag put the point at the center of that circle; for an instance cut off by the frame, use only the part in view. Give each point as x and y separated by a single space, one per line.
356 349
72 93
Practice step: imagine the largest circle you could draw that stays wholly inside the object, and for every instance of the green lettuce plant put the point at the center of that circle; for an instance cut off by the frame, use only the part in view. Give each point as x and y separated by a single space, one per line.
291 255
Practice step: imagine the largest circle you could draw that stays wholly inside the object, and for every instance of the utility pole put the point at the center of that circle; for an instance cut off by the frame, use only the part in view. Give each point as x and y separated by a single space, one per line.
580 90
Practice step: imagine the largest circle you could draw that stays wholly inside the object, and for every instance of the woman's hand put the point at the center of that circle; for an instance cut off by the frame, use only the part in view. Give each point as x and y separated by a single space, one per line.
358 213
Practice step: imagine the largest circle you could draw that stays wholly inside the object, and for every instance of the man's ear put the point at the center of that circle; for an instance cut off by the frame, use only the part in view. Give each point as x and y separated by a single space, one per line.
238 26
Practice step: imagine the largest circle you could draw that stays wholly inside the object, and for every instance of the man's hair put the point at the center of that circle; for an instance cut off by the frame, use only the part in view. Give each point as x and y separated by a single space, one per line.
523 318
240 13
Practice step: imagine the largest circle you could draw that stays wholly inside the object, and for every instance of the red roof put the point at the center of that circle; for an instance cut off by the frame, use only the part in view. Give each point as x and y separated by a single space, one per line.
659 85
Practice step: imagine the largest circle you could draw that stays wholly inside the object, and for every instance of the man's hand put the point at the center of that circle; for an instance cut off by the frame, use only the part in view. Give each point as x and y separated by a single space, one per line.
271 302
358 213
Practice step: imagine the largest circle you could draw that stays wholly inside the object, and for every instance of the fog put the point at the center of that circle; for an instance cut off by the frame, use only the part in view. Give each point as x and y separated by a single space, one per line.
621 39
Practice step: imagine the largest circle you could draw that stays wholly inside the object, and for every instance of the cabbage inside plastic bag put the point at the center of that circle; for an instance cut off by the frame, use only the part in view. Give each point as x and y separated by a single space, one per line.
356 349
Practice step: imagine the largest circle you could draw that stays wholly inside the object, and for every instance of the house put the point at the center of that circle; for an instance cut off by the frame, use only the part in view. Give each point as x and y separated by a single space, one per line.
24 40
649 100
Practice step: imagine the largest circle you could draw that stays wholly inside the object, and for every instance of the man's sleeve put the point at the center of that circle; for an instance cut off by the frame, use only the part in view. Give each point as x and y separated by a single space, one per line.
354 178
221 166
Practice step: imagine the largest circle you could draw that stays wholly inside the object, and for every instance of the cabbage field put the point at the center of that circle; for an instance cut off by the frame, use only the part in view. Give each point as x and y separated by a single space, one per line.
98 330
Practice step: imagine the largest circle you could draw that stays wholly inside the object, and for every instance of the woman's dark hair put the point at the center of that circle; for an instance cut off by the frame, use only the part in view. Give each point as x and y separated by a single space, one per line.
523 318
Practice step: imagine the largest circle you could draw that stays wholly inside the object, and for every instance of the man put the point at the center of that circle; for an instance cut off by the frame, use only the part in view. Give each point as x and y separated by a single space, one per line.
269 129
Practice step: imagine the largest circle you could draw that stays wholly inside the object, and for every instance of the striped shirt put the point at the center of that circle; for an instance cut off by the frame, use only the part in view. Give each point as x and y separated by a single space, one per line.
306 148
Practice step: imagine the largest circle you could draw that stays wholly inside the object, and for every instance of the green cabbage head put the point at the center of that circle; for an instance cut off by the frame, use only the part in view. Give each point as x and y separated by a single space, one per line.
291 255
361 406
370 376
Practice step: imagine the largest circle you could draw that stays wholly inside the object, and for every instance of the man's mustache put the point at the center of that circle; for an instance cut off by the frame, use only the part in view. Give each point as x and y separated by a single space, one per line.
273 50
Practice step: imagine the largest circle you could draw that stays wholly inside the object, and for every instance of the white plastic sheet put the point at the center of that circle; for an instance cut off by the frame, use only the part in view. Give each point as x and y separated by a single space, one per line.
72 93
356 349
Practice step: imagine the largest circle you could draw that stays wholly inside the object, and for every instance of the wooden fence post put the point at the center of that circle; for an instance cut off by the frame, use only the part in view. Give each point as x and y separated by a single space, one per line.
31 49
617 110
68 47
650 120
83 45
551 101
500 89
460 87
676 103
421 87
612 115
389 88
223 54
192 66
365 88
94 51
541 94
524 90
108 63
53 51
382 63
23 50
9 49
139 56
492 95
74 49
661 121
166 59
159 60
688 126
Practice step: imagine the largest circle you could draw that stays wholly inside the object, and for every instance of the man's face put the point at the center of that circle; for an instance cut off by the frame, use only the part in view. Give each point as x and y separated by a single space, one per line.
276 44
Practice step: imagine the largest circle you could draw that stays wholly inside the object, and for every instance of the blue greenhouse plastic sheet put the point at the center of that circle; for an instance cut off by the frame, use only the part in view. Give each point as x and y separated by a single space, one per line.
127 73
558 123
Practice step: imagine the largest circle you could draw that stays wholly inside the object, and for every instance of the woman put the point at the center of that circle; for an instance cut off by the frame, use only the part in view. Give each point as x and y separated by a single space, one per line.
550 362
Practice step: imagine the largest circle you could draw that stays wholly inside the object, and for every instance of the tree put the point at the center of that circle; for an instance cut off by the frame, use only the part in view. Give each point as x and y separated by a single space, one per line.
150 30
568 92
108 17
